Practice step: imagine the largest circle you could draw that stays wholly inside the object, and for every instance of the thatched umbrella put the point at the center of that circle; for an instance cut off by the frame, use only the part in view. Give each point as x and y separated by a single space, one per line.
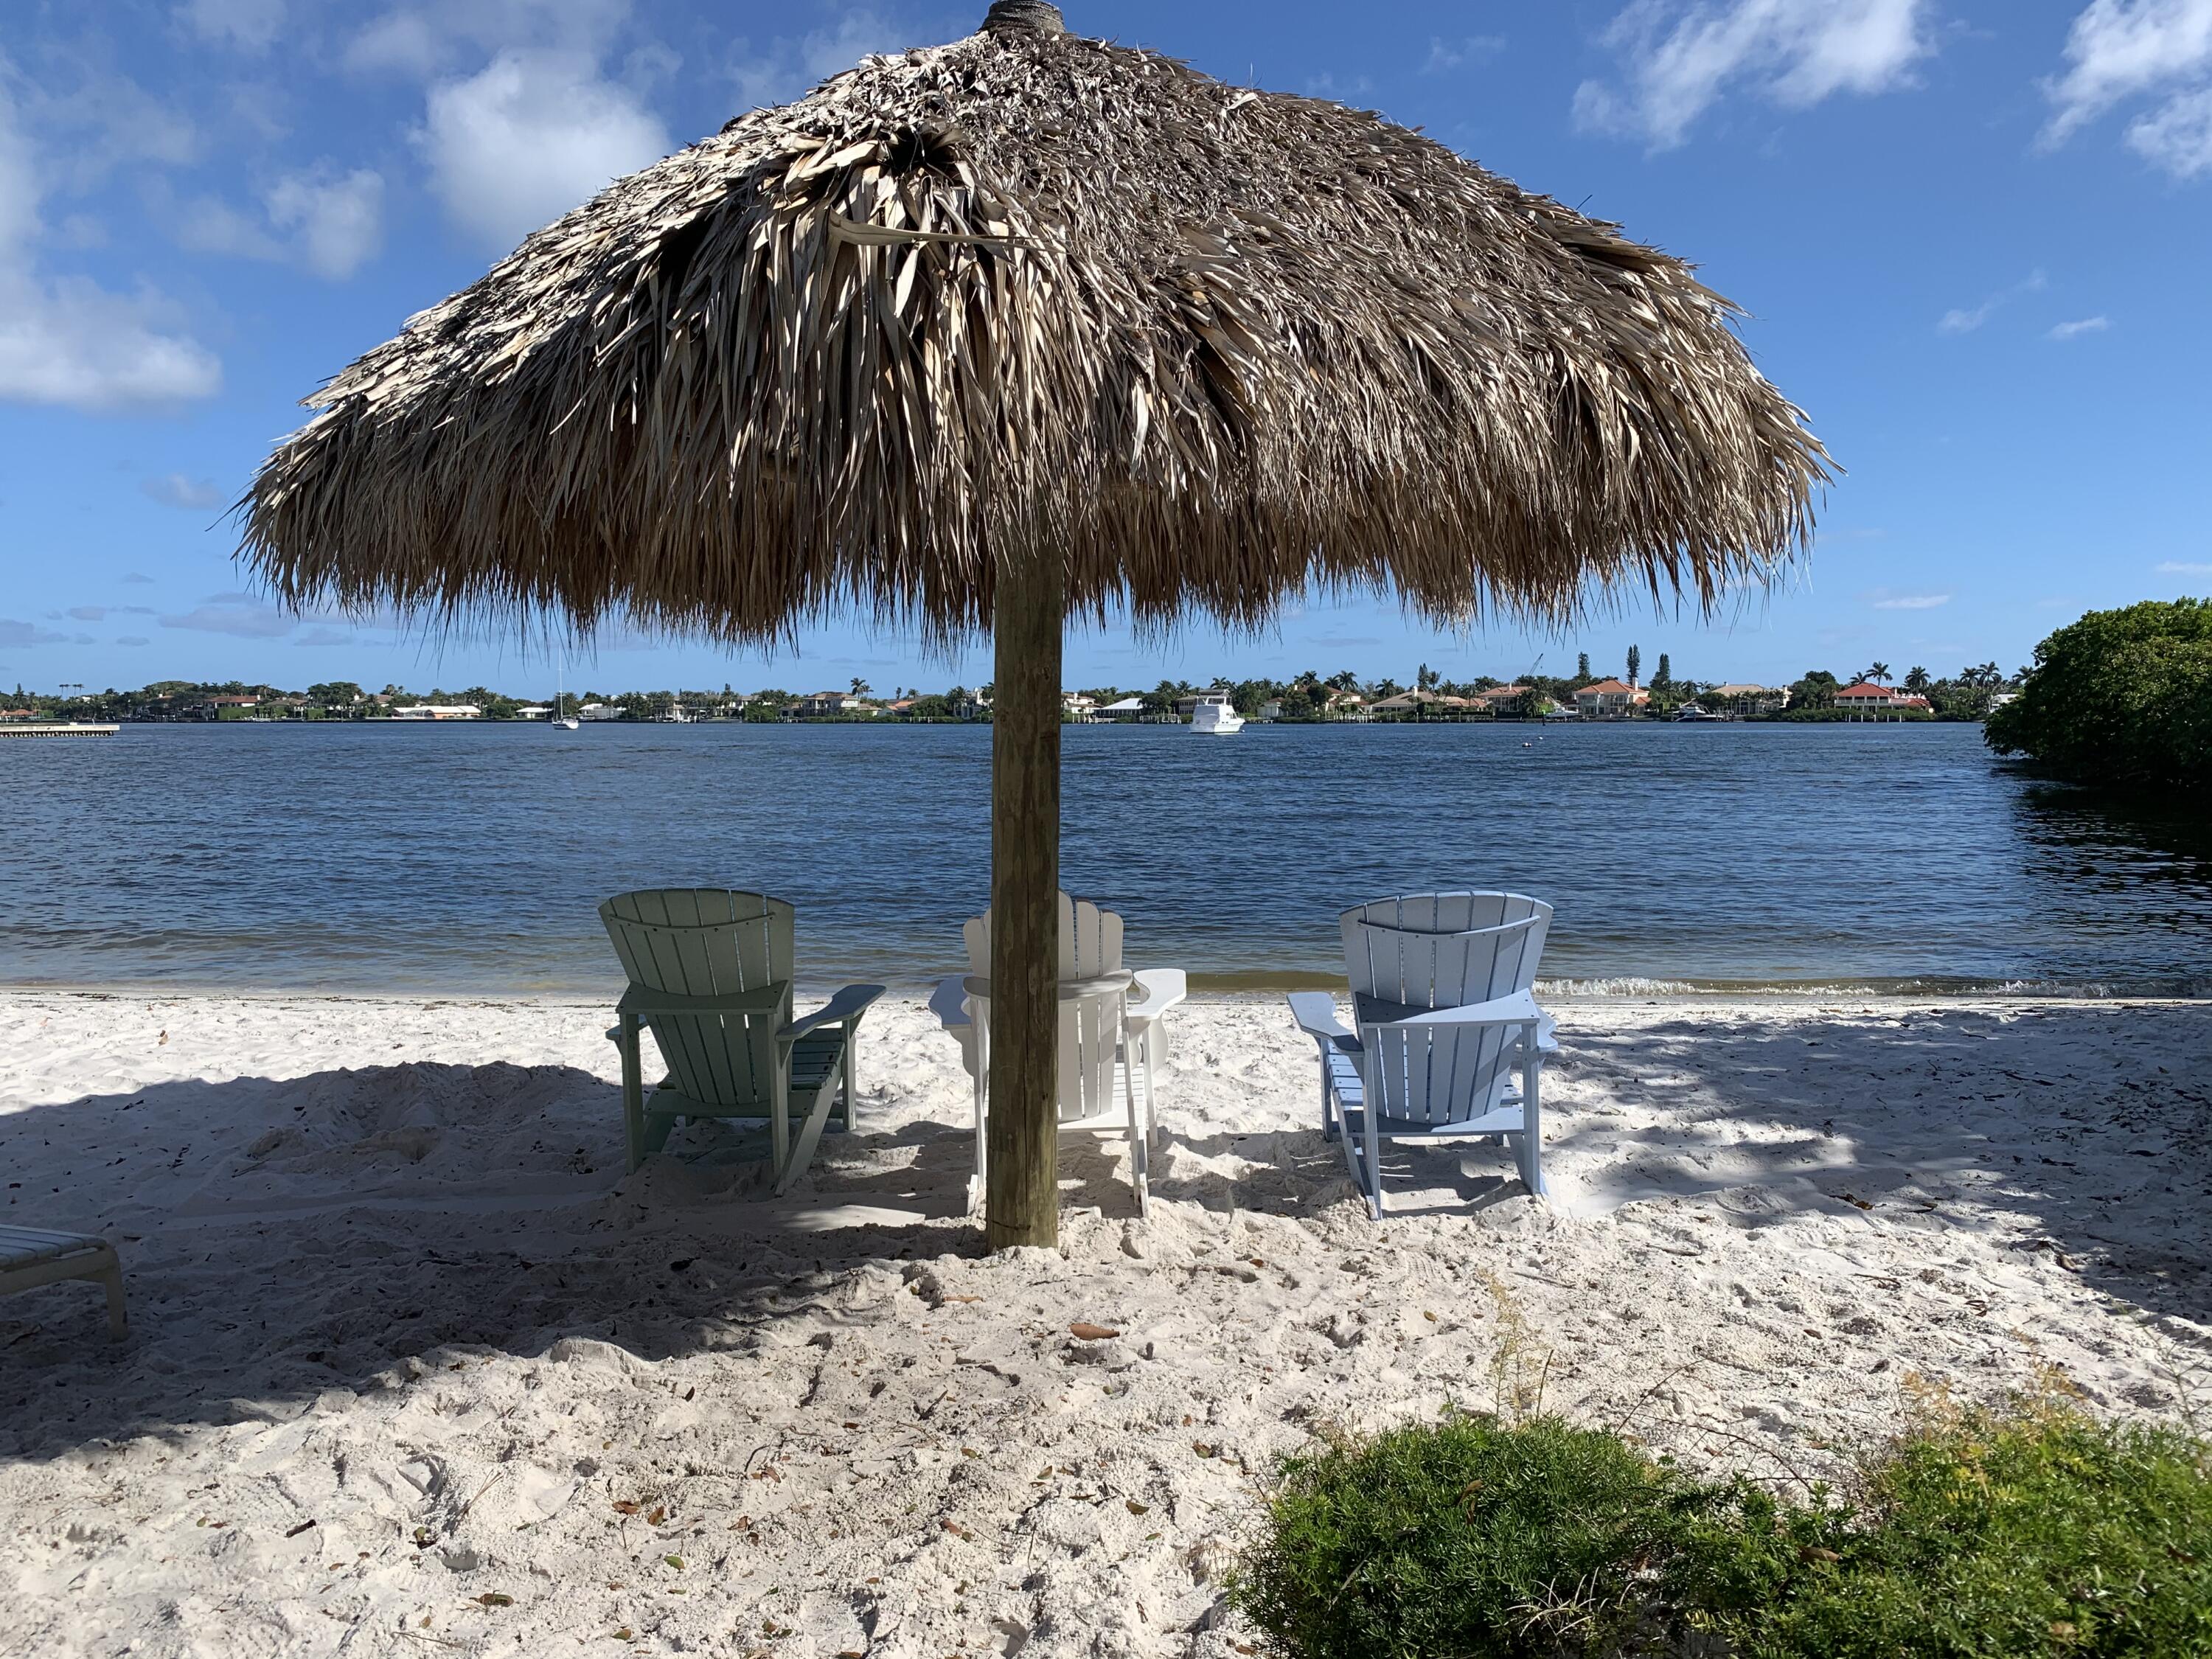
1028 327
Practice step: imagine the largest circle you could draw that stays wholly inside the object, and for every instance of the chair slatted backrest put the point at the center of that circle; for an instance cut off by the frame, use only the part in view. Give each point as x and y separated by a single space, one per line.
1455 912
1089 1031
1440 1074
704 941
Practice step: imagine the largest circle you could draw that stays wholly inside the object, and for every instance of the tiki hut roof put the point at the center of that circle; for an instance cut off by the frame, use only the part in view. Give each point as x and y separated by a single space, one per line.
1034 294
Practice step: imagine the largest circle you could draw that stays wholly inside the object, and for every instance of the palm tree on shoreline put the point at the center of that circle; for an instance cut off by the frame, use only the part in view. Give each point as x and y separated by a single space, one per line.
1879 674
1916 679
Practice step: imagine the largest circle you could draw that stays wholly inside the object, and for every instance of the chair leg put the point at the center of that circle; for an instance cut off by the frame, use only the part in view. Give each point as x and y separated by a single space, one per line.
1140 1162
982 1140
779 1117
118 1325
1371 1135
852 1071
810 1135
1531 1124
633 1087
1330 1127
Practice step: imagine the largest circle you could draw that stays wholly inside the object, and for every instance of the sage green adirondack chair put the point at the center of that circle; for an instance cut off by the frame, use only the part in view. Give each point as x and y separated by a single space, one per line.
710 977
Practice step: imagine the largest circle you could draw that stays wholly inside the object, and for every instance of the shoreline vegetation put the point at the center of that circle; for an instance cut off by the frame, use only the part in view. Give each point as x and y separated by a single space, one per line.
2121 699
1308 698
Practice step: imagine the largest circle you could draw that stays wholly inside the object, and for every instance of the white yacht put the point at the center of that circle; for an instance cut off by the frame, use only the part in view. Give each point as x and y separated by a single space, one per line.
1216 714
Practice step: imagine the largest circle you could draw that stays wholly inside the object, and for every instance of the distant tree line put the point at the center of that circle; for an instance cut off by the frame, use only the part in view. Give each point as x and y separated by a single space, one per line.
1308 696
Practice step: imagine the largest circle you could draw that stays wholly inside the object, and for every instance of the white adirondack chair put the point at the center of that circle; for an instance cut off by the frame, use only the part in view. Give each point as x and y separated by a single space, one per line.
1100 1034
1446 1016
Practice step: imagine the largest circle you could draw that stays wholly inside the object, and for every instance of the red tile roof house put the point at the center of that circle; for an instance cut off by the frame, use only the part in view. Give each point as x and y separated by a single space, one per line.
1868 698
1610 700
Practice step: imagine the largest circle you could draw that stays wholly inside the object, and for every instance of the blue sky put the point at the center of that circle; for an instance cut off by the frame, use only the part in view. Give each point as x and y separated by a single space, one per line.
1972 236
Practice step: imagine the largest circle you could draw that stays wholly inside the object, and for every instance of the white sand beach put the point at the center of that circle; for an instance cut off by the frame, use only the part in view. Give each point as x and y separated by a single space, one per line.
414 1368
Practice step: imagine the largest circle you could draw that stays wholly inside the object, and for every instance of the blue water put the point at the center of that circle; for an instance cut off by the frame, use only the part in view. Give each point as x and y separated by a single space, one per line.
453 859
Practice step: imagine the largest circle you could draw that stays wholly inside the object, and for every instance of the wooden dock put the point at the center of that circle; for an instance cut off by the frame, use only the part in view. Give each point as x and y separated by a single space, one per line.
54 729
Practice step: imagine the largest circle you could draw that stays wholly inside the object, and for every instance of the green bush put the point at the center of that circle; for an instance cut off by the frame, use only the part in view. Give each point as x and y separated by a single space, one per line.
2034 1531
1473 1538
2119 697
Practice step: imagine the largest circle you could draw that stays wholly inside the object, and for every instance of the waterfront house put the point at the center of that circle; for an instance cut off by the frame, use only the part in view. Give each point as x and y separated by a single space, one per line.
1743 698
435 711
1501 699
1128 708
1343 706
1420 705
531 711
1079 709
1876 701
599 711
824 705
1610 700
1272 709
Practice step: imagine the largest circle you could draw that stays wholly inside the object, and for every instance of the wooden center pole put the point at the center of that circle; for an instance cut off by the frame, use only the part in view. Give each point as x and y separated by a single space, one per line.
1022 1186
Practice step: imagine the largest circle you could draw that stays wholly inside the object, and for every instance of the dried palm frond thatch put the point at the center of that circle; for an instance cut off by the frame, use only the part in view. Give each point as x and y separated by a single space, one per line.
1030 295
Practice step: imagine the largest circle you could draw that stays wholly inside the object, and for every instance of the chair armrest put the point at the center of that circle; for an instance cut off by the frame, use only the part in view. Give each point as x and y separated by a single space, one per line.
639 1003
847 1005
949 1002
1315 1014
1071 990
1518 1009
1156 990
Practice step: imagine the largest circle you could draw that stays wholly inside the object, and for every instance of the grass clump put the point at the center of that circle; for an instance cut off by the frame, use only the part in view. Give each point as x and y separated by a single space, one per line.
2027 1530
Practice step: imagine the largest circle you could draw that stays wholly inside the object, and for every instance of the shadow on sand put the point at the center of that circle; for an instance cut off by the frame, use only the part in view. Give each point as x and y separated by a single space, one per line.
286 1238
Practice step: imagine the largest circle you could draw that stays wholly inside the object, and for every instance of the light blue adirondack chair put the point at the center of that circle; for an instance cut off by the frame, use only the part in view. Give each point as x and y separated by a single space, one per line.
710 977
1442 991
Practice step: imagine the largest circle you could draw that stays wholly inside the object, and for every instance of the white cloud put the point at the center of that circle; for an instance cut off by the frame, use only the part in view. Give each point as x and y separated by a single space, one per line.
2177 567
175 489
236 614
248 25
786 67
1965 321
2086 325
2120 49
134 580
328 223
1684 54
2177 136
1446 55
88 613
1913 602
426 41
532 136
74 345
66 341
14 633
338 223
132 639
